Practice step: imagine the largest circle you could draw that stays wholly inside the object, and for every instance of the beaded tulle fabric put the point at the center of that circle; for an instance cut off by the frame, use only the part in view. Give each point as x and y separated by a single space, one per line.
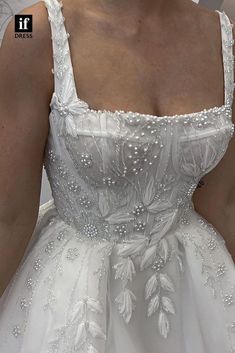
120 261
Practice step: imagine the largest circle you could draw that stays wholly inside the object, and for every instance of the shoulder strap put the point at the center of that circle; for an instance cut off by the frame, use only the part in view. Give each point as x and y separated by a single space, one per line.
60 45
228 56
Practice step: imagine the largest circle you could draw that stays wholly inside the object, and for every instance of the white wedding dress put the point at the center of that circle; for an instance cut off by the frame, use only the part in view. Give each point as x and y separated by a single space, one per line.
120 261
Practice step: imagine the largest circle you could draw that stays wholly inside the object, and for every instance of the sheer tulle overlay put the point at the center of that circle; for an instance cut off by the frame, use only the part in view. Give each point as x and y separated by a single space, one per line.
119 260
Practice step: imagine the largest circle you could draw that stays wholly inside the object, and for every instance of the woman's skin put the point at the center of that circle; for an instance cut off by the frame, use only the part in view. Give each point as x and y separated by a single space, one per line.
161 57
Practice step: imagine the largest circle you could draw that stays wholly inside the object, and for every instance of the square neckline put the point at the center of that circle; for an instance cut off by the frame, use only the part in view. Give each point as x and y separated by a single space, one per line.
136 114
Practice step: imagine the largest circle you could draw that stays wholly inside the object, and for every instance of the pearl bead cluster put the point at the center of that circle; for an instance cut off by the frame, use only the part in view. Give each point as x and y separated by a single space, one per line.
228 299
73 186
138 209
61 235
23 303
212 244
229 43
37 264
220 270
84 201
50 246
158 264
16 330
139 226
86 160
51 156
109 181
90 230
29 283
233 326
62 171
184 220
63 110
121 229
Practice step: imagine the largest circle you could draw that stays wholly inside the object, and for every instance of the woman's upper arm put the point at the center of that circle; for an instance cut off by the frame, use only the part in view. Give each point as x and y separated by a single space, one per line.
26 84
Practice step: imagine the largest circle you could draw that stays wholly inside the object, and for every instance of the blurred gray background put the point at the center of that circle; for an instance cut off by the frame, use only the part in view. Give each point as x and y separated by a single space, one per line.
9 7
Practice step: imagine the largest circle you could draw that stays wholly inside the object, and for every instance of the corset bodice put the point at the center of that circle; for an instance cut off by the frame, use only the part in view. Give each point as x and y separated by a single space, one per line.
115 174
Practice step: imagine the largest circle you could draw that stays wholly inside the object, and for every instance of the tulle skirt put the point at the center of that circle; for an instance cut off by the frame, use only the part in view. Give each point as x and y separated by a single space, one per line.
74 294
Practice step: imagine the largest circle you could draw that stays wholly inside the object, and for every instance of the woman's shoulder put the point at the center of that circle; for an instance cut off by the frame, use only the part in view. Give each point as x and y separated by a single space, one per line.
31 54
38 40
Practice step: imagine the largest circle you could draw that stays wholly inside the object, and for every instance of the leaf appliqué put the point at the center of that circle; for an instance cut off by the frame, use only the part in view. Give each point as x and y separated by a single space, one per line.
96 331
166 282
149 192
163 249
125 269
119 217
148 257
94 305
168 305
81 335
151 286
126 303
153 305
103 205
163 324
133 247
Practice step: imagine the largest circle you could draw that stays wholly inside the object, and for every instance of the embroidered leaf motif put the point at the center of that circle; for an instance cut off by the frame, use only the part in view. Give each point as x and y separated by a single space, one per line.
163 324
168 305
197 156
149 192
189 158
94 305
166 282
153 304
126 303
151 286
163 249
78 310
133 246
159 205
81 335
162 226
161 222
103 205
148 257
95 330
119 217
80 306
125 269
